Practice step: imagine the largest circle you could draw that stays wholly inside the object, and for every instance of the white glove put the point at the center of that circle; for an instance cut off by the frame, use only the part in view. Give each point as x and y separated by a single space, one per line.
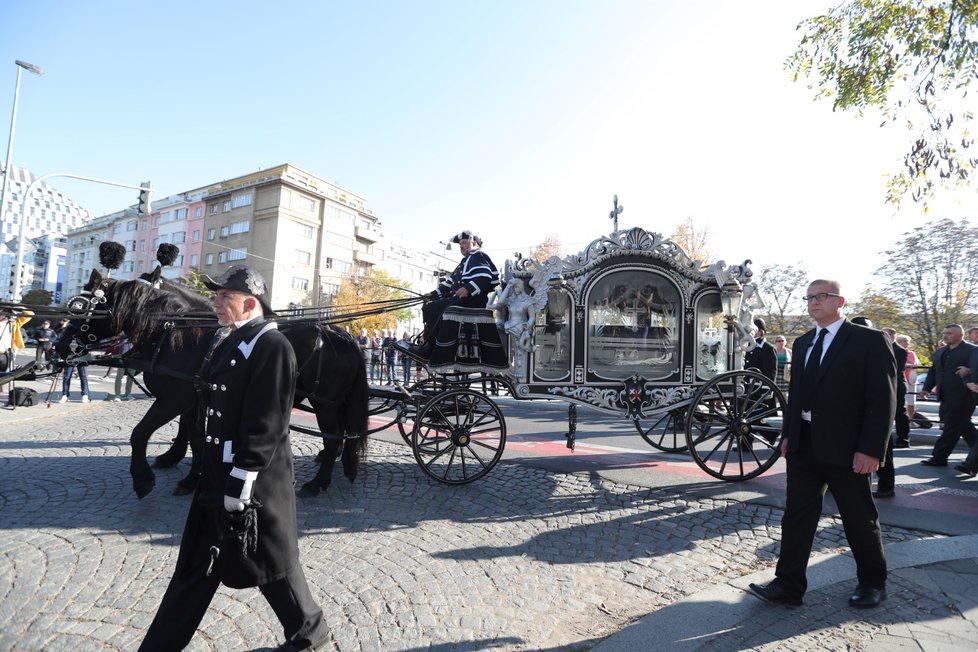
232 504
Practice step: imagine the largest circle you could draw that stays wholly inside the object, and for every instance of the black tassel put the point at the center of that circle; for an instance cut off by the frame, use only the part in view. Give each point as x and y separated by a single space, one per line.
111 254
167 253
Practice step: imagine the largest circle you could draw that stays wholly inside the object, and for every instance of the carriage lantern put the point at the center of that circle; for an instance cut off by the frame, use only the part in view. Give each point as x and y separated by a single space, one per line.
731 296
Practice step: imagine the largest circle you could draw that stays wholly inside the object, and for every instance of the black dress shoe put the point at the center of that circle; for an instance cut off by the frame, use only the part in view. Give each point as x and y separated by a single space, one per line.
884 493
319 644
867 597
901 444
412 351
774 593
967 470
933 461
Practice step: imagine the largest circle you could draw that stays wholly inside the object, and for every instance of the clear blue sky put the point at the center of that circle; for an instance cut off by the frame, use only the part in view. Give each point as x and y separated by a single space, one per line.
516 118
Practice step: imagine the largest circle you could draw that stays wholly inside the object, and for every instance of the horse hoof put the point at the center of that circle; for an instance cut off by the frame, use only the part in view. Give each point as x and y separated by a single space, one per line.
143 489
310 489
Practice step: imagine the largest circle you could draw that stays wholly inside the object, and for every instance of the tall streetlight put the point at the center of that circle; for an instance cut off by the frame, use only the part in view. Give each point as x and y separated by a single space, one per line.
29 67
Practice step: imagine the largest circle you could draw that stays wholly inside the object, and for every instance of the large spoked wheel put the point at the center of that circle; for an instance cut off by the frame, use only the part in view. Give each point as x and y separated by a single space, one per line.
458 436
733 429
665 432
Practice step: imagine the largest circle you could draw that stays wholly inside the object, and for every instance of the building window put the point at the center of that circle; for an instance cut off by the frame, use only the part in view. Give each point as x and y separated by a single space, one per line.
300 283
197 235
194 260
180 237
211 234
302 257
213 210
142 245
240 227
180 214
241 200
306 230
164 218
237 254
132 226
222 257
139 267
199 211
209 259
225 230
130 245
227 207
128 266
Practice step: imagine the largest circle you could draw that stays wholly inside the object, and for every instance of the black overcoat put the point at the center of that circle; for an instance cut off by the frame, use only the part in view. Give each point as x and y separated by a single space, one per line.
251 384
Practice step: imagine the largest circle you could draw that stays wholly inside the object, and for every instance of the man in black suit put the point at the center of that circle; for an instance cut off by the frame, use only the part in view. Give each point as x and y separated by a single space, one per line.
763 356
841 402
948 378
885 488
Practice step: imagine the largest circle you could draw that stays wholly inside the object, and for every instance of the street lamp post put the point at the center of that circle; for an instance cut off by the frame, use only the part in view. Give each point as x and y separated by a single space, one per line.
29 67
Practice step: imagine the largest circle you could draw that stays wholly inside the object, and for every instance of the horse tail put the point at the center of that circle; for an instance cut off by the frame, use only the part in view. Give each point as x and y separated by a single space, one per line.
357 402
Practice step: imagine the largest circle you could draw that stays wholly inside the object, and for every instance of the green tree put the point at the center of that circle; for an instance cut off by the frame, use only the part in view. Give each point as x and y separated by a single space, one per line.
881 309
782 287
194 282
360 293
933 277
37 297
914 61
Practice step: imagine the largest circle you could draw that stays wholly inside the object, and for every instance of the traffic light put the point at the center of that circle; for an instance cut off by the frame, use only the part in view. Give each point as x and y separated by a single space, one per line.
145 207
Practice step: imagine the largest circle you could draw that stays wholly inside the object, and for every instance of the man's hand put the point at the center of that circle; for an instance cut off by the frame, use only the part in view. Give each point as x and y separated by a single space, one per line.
431 296
925 393
863 463
963 372
462 292
232 504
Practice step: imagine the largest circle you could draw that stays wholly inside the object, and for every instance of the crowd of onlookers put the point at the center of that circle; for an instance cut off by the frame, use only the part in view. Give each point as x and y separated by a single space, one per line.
384 363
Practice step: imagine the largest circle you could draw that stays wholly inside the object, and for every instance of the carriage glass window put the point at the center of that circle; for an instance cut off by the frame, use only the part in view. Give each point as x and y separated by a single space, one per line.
711 337
553 338
634 326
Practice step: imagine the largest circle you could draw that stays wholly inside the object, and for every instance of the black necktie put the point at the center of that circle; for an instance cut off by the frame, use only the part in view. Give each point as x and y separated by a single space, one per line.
811 371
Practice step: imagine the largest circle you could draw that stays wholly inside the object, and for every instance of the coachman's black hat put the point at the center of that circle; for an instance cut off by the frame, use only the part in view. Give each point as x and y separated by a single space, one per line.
466 235
241 278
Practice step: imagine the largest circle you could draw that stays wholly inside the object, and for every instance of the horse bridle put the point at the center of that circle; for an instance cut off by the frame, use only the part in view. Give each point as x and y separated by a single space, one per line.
87 305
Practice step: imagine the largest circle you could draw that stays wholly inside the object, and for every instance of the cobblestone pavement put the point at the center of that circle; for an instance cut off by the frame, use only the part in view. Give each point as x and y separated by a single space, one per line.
524 559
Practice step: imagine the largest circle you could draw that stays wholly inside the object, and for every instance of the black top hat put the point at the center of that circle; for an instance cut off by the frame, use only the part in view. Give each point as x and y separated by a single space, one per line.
241 278
760 324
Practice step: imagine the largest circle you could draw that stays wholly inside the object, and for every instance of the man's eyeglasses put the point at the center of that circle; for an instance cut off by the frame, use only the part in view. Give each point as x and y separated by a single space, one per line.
821 296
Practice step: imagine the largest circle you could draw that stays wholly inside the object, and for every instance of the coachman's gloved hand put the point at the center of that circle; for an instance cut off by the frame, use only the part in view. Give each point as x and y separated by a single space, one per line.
240 528
232 504
431 296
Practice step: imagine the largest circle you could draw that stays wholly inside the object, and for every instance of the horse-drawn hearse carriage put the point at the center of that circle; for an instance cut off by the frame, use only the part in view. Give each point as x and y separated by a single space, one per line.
630 325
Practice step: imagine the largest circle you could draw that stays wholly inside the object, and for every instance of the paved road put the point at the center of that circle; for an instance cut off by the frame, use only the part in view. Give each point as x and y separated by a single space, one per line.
528 559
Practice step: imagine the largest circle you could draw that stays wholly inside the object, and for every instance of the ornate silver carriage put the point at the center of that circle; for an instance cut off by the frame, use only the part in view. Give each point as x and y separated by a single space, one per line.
630 325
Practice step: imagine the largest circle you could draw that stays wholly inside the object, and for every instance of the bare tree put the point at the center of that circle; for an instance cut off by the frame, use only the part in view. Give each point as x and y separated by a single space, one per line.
933 277
782 287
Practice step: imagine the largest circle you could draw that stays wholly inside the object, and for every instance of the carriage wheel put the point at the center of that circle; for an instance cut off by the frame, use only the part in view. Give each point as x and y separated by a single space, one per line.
733 429
458 436
667 431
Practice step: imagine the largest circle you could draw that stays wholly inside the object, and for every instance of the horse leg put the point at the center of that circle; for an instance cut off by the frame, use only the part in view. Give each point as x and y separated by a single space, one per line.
143 478
176 452
191 430
324 476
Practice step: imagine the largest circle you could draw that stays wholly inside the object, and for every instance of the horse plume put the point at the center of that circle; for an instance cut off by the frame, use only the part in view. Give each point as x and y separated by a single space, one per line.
167 253
111 254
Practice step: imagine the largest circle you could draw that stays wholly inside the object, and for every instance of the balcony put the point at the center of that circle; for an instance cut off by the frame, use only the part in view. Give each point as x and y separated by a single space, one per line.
365 258
367 234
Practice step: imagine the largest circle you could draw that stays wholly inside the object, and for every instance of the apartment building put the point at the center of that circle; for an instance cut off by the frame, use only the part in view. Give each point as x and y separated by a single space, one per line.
48 214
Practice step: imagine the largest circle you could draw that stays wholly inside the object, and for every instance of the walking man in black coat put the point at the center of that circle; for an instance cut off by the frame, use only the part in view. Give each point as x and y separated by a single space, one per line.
840 407
241 529
948 378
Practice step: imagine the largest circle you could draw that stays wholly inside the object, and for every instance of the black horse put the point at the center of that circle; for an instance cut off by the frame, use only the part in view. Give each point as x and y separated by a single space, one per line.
172 329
